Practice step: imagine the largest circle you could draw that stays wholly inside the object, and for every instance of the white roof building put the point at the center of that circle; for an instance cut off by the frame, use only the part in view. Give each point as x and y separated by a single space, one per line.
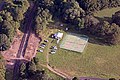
58 35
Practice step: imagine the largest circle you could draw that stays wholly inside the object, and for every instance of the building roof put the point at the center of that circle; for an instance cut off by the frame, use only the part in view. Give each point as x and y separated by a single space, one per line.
58 35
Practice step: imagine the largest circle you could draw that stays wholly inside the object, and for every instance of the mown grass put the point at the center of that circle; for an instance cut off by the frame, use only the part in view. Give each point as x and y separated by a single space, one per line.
96 61
2 68
49 73
106 12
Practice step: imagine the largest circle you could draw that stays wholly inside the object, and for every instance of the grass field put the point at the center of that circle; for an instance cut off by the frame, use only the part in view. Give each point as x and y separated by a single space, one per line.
42 58
106 12
100 61
96 61
2 68
49 73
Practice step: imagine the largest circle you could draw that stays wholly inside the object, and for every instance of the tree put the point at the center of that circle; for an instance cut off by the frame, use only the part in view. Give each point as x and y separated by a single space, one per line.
112 79
112 34
4 42
22 70
116 18
94 5
40 75
31 68
91 24
70 11
75 78
1 19
46 4
8 29
43 19
36 60
109 33
79 23
18 14
10 18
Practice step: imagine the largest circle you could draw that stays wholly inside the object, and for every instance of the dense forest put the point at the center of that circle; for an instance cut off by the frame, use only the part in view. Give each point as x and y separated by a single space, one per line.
29 71
75 12
94 5
79 14
11 17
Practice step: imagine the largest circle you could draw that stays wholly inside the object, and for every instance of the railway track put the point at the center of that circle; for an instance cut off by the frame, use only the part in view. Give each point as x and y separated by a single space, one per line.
25 38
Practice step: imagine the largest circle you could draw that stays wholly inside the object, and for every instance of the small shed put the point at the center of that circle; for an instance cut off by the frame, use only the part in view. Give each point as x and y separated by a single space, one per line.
58 35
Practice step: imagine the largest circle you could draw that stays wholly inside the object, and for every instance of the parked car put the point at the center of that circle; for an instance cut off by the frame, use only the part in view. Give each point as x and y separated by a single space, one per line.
43 44
52 52
42 47
54 47
46 41
40 50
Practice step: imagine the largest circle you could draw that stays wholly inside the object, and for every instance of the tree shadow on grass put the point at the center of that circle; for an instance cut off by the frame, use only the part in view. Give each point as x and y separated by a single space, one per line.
8 74
96 40
109 19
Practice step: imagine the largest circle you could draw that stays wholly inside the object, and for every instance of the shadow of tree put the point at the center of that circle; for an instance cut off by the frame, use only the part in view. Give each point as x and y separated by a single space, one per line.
109 19
8 74
96 40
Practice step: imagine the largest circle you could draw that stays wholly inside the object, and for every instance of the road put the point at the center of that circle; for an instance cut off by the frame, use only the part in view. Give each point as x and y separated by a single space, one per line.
27 30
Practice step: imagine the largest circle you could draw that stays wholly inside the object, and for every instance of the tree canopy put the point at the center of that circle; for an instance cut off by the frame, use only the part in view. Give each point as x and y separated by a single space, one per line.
10 19
116 18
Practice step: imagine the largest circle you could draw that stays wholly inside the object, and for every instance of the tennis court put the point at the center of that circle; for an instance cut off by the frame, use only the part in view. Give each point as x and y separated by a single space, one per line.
74 42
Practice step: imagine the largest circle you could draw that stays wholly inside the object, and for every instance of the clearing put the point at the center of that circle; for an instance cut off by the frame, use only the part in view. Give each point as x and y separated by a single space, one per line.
96 61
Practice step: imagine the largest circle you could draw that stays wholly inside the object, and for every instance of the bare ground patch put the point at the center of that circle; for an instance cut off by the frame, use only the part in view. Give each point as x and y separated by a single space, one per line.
12 51
32 47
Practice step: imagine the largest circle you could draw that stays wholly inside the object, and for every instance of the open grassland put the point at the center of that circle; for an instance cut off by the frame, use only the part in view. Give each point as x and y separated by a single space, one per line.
100 61
96 61
106 12
2 68
2 71
49 73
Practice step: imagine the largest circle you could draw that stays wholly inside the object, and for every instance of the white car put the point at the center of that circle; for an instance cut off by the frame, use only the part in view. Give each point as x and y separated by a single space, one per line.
42 47
53 52
46 41
40 50
54 47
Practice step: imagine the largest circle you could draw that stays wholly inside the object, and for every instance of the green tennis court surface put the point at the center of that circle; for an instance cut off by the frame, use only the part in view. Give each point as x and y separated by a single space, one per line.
74 42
